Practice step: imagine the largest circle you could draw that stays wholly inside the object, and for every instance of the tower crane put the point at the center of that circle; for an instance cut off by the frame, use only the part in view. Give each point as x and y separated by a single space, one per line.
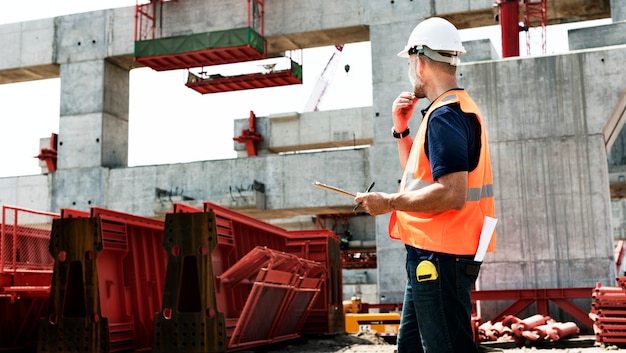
535 15
312 105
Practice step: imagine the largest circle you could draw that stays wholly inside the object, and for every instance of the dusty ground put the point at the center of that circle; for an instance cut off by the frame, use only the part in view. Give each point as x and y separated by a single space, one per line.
370 343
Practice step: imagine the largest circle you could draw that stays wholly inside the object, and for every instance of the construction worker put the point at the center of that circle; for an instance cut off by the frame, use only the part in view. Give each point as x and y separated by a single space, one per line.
444 195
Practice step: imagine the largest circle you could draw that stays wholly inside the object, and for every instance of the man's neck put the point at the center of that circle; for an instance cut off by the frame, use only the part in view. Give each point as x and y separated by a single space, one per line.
440 87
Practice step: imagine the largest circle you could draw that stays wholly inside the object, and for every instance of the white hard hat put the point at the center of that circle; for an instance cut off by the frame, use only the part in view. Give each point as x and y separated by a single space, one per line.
436 34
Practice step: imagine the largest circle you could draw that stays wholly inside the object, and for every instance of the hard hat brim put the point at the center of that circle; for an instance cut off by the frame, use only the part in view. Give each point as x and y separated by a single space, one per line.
404 53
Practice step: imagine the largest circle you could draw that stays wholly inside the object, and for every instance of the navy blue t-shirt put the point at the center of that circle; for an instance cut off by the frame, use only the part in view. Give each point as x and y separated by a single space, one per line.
452 145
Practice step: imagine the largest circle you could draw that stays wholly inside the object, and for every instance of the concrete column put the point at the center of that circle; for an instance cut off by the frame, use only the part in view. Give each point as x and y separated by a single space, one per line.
618 10
93 127
389 78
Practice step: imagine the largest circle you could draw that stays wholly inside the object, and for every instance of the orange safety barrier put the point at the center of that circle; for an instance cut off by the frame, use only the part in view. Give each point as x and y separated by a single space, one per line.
25 273
107 282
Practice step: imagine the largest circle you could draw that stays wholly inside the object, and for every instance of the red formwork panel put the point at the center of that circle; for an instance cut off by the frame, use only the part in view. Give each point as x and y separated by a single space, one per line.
237 282
107 283
284 287
326 315
25 274
608 312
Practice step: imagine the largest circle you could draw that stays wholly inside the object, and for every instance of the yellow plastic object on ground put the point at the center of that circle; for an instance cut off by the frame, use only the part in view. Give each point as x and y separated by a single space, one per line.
385 324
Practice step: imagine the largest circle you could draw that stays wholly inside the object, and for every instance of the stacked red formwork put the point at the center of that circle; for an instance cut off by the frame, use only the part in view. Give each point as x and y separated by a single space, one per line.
107 283
608 311
258 282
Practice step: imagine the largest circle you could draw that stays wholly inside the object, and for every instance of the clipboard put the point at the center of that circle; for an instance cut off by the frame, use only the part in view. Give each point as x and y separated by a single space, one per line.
334 189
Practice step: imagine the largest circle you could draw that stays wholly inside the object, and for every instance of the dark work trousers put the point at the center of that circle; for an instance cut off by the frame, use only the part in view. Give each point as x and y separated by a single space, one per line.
436 313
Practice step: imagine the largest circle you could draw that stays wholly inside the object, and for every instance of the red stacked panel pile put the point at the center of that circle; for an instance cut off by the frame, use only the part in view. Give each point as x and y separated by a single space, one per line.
608 311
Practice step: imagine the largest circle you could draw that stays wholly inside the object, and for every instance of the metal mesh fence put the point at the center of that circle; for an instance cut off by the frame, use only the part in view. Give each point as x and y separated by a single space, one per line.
24 240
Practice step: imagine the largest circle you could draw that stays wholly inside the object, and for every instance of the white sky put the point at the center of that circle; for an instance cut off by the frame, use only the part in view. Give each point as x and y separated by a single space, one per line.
168 122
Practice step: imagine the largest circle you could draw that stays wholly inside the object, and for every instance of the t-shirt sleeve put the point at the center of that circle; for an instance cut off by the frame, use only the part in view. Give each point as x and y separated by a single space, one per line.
447 141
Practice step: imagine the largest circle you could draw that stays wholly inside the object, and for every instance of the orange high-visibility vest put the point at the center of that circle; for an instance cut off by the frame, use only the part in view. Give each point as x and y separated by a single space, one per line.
453 231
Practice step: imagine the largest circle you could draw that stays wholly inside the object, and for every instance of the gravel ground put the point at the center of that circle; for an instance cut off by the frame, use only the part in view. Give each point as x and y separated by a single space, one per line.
371 343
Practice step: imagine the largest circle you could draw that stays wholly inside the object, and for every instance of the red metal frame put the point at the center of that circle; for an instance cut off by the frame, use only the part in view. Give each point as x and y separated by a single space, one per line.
9 262
256 11
291 283
250 137
204 57
257 295
145 18
540 296
24 282
49 155
115 262
318 245
535 15
508 14
359 258
242 82
145 14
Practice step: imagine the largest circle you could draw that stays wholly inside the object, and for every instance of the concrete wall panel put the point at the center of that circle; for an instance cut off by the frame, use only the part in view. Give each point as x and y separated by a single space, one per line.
12 56
36 44
199 16
286 17
116 91
326 129
82 37
27 44
288 180
596 37
80 138
549 162
82 88
121 31
618 11
80 189
114 141
32 191
385 12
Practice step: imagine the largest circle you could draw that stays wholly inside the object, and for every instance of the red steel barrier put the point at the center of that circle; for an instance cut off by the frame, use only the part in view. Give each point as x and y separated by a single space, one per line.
540 296
107 283
25 273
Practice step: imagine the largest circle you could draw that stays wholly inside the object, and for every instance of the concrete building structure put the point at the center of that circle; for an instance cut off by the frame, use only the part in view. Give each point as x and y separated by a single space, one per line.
551 122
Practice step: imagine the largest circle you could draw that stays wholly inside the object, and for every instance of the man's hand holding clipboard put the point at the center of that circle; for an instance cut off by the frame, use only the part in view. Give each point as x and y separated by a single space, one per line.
342 192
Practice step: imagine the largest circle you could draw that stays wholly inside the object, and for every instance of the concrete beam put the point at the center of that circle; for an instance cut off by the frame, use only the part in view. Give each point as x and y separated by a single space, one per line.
597 37
44 44
328 129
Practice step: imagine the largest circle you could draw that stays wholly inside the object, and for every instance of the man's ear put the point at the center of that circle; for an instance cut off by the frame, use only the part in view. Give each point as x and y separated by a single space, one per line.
422 64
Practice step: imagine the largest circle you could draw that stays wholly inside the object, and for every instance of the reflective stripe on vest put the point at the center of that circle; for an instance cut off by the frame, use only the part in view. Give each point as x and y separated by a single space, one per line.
452 231
473 194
